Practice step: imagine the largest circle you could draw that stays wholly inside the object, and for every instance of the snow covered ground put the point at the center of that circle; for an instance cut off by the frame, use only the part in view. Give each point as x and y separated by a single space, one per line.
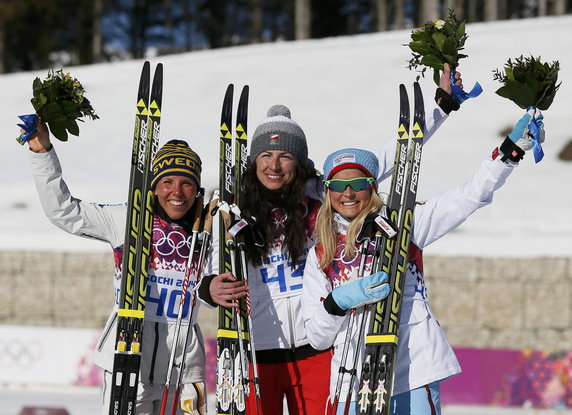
343 92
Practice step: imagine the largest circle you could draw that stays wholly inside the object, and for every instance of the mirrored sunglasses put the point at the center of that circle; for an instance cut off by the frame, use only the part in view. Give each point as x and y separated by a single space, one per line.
358 184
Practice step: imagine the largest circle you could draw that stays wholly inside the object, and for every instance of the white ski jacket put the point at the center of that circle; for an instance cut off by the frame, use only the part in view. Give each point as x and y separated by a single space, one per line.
424 354
170 250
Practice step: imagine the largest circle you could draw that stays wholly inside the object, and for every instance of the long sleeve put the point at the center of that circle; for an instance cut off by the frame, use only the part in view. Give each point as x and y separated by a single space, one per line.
322 328
89 220
441 214
434 118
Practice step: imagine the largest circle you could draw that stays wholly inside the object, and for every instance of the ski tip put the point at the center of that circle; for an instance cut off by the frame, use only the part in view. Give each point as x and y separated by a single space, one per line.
228 94
146 68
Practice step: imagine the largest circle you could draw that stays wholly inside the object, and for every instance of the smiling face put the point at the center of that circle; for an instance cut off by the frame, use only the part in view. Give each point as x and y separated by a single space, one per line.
275 168
349 203
176 195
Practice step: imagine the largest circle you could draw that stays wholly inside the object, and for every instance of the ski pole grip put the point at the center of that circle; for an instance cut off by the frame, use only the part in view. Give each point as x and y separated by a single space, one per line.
198 213
208 225
227 224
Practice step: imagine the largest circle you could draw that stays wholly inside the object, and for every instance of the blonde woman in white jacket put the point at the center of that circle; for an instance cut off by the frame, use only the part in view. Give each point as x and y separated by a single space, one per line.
424 356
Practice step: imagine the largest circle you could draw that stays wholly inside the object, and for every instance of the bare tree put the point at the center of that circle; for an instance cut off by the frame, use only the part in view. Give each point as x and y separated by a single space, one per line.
303 18
399 13
96 43
458 6
472 10
2 50
491 10
429 10
557 7
256 21
169 25
381 14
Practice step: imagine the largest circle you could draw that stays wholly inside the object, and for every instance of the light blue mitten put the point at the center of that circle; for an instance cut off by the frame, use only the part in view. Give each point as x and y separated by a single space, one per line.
361 291
528 133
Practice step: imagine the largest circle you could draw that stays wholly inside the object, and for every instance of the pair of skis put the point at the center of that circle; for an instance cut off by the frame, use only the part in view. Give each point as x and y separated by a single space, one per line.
376 385
235 340
390 254
137 245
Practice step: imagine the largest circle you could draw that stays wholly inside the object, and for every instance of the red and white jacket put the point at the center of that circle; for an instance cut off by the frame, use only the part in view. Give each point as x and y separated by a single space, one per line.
424 354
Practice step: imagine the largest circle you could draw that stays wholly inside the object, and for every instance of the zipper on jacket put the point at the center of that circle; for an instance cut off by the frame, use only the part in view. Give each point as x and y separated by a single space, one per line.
154 357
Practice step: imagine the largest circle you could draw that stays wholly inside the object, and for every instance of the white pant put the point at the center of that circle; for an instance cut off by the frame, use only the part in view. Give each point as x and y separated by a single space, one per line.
193 398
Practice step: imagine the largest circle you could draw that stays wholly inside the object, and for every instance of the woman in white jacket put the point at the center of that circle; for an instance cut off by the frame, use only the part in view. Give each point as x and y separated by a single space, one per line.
424 356
176 189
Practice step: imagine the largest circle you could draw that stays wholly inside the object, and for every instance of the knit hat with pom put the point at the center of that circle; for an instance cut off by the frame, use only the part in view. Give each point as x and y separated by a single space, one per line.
278 131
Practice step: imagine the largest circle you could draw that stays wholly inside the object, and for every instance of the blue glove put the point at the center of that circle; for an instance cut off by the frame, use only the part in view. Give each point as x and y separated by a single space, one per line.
528 133
361 291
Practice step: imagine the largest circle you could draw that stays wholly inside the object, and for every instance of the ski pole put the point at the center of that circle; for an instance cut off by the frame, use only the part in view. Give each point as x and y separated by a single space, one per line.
349 329
360 336
188 271
206 233
240 225
240 375
255 377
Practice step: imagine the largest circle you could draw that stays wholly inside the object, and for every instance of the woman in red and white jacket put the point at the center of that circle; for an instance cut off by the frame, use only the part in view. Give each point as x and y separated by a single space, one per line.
424 357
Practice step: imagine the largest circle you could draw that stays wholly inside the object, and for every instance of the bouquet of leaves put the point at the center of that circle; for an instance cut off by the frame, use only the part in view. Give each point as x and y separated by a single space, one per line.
60 102
528 82
437 42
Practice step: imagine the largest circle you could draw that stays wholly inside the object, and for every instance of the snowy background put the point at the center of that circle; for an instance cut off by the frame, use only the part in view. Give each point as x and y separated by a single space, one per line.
343 92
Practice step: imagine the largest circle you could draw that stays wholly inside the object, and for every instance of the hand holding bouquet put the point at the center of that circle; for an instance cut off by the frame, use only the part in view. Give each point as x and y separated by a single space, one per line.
436 43
60 102
530 84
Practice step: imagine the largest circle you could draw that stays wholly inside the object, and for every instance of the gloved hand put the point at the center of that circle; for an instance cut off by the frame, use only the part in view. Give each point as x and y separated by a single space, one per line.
358 292
528 130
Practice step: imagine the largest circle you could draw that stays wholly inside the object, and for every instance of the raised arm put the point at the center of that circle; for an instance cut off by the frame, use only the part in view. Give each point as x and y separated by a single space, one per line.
89 220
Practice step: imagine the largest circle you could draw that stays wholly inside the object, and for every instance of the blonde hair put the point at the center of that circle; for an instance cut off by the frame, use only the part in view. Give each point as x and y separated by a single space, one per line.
326 228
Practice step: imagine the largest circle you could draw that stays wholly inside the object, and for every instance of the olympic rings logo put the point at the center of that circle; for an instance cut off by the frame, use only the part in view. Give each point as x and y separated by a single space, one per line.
167 244
15 353
342 256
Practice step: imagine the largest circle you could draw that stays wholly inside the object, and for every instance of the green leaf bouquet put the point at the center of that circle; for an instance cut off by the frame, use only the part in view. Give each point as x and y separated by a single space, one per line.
528 82
437 42
60 102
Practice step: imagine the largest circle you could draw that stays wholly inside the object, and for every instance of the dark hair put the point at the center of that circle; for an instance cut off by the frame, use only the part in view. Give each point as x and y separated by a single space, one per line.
259 203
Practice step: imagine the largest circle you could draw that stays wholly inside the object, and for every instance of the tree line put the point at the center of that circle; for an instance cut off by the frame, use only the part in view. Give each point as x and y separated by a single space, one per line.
36 34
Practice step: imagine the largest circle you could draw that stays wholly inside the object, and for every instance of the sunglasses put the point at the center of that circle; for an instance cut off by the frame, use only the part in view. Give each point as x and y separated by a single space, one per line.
358 184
